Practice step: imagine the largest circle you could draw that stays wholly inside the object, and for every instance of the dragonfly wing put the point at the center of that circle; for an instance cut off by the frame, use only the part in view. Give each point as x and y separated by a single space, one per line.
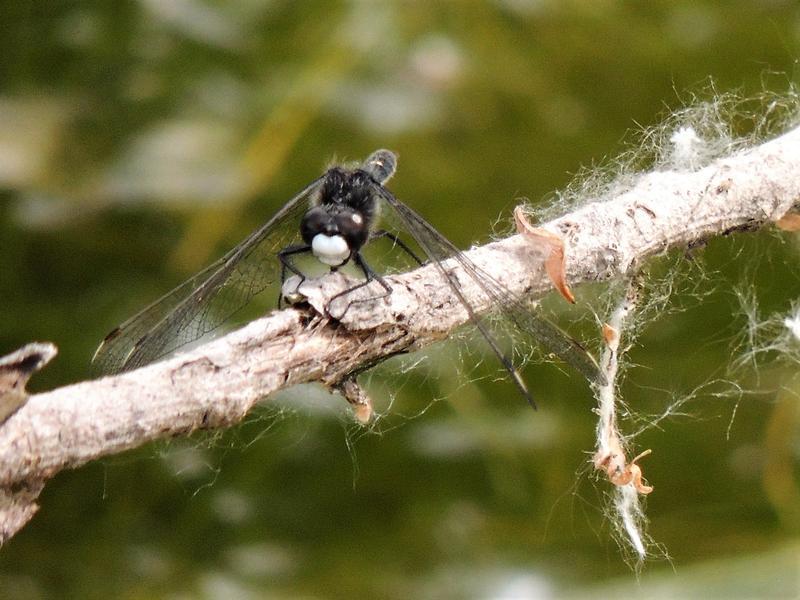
206 300
439 248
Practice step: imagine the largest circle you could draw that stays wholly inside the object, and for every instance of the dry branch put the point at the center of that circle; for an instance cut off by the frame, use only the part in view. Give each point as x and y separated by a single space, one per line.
216 384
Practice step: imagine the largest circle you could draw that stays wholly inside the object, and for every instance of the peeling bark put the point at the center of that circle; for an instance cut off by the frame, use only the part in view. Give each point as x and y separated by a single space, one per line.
215 385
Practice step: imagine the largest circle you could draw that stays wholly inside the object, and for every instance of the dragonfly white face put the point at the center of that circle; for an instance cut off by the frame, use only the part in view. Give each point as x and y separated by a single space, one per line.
330 249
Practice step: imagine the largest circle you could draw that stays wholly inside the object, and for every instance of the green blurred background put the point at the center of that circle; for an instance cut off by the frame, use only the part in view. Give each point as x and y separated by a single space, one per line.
139 140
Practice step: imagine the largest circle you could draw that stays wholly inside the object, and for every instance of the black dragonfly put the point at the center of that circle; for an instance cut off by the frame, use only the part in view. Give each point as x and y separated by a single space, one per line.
340 214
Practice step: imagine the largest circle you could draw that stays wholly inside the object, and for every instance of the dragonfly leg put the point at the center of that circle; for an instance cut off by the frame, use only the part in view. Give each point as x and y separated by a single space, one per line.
286 264
370 276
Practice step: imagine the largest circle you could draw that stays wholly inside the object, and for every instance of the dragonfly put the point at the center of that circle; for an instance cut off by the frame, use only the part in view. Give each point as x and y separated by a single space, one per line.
332 220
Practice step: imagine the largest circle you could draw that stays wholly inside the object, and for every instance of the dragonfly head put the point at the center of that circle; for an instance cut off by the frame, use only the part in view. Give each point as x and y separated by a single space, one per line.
334 232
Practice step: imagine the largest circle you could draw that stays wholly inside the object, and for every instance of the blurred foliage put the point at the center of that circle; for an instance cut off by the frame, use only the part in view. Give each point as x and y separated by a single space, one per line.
139 139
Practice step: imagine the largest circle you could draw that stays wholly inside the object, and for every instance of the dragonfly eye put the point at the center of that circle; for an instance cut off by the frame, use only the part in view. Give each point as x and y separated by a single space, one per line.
353 227
317 220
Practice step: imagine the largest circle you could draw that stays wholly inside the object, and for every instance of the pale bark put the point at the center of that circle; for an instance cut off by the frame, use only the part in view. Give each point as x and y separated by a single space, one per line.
215 385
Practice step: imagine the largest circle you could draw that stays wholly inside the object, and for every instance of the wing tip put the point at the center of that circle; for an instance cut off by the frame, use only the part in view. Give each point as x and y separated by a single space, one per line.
521 385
